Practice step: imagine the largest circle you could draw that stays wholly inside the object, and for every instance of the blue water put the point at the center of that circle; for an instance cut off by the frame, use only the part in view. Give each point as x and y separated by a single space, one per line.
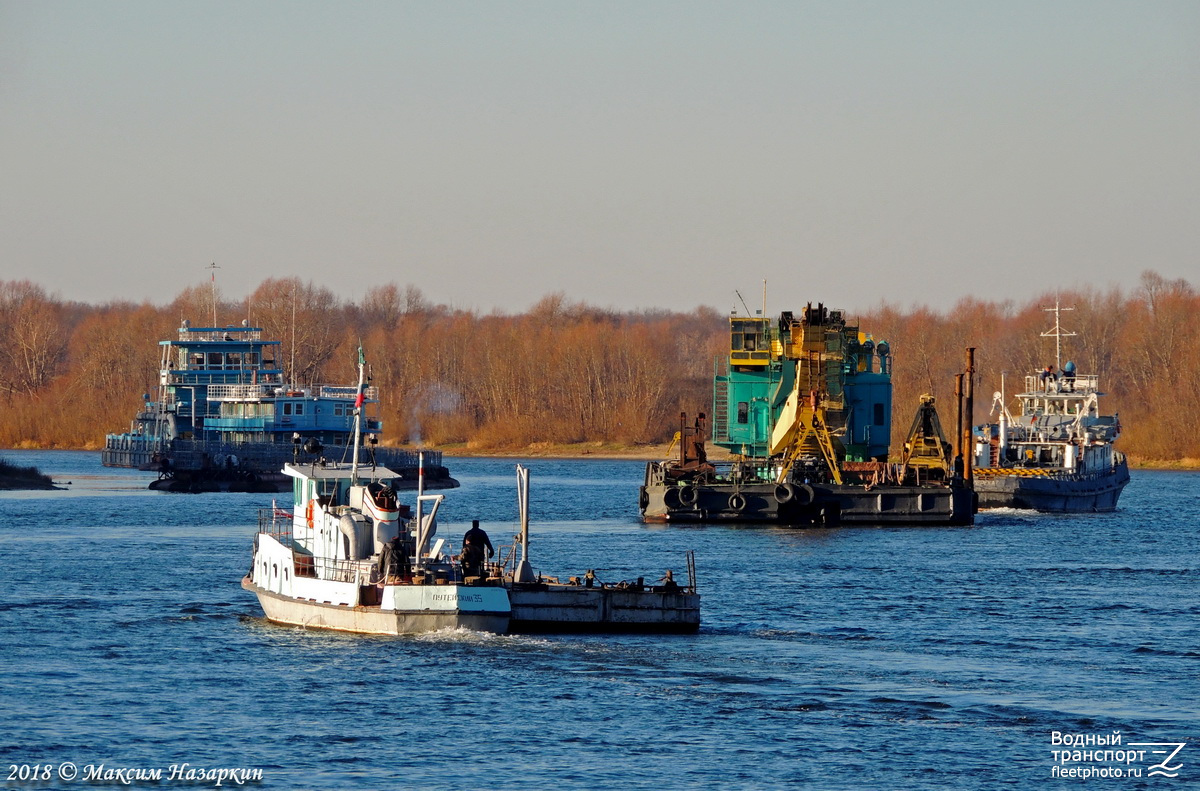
877 658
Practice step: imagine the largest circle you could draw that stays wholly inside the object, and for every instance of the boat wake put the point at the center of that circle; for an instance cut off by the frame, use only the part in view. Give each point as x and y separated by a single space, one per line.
464 636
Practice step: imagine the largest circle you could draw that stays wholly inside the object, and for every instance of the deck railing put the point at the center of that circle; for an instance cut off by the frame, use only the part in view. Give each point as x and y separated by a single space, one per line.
1080 385
244 392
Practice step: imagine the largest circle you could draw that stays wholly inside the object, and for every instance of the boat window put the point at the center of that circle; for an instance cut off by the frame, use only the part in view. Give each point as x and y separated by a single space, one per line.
197 361
300 408
743 412
337 409
233 359
287 408
214 360
251 358
736 342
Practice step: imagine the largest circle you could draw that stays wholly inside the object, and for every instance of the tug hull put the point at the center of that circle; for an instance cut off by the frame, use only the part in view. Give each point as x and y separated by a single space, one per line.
1062 493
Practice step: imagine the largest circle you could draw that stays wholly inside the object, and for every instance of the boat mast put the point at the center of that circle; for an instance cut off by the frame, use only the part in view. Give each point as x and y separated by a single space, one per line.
1057 334
293 349
213 268
358 405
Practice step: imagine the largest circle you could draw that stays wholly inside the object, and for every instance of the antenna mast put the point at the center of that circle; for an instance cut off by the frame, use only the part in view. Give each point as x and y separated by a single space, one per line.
359 399
213 268
293 344
1057 333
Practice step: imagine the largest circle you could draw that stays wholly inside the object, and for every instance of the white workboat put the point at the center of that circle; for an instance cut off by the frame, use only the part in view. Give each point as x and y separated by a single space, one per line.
345 559
348 556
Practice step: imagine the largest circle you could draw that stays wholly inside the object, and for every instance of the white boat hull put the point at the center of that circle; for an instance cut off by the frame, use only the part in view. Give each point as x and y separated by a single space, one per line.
373 620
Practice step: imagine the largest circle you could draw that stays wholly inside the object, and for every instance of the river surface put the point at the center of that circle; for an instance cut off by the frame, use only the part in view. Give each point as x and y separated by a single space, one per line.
873 658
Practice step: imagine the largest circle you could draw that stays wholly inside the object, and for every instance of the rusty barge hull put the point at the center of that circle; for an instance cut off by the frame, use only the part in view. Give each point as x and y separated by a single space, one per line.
807 505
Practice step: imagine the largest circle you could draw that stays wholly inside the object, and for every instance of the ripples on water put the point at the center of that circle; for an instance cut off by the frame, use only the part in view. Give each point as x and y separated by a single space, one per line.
852 658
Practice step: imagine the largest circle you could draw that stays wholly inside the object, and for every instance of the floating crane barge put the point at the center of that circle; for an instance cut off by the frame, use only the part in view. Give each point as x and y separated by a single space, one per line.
805 405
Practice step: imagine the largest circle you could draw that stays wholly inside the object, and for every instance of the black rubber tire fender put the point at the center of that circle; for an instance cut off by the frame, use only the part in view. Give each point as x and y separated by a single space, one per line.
671 497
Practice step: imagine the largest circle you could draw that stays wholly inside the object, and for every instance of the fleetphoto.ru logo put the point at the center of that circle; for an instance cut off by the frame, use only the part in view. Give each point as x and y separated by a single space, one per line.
1088 755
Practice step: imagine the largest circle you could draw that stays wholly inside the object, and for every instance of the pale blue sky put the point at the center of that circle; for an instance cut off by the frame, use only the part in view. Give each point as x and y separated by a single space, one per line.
628 154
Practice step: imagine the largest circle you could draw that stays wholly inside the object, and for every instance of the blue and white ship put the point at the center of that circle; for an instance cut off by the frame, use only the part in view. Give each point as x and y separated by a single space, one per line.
224 418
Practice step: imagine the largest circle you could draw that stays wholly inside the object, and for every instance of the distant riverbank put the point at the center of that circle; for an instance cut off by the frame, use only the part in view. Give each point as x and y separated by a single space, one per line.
609 450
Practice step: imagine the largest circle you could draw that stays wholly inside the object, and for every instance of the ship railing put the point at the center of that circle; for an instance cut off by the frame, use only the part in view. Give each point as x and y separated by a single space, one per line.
278 523
221 334
330 391
336 570
246 392
747 472
1059 383
127 450
195 376
1058 473
241 392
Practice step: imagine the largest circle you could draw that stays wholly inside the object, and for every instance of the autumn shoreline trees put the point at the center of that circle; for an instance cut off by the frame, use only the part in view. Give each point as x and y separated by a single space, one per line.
566 373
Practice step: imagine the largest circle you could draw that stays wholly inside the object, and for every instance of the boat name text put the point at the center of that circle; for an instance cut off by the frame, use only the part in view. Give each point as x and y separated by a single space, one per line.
476 598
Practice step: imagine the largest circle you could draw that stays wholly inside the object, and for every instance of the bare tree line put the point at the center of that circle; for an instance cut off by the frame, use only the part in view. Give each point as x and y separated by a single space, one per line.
568 372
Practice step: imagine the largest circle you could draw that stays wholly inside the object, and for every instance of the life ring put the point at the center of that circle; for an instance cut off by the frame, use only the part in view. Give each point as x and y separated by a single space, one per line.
784 493
737 503
688 495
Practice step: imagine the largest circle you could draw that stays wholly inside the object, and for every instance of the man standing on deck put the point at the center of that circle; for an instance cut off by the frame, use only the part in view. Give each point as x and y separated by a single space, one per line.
476 548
